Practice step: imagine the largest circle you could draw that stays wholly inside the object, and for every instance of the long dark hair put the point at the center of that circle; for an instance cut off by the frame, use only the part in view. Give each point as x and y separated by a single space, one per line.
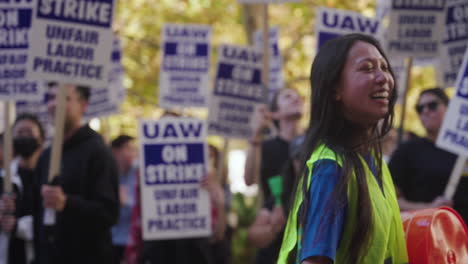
328 126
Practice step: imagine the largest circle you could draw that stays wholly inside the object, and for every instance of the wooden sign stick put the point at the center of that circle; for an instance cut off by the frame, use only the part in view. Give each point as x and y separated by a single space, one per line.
57 145
8 148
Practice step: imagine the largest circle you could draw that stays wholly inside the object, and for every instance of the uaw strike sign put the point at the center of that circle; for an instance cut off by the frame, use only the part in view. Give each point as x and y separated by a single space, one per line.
15 23
173 161
105 101
184 76
237 89
455 39
453 136
416 28
331 23
72 41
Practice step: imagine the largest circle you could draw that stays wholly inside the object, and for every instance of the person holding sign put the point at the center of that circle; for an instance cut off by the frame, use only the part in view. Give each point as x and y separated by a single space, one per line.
84 195
266 158
420 169
345 208
28 138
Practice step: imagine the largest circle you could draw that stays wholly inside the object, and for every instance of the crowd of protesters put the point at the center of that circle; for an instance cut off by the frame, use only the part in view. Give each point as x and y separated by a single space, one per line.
323 191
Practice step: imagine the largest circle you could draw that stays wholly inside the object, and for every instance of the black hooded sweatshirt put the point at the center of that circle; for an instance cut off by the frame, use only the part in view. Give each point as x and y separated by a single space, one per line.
89 178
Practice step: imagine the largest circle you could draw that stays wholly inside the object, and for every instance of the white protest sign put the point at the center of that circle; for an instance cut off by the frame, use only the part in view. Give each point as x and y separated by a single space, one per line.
416 28
237 89
72 41
184 75
106 100
100 104
173 162
453 136
331 23
382 8
276 61
15 22
455 40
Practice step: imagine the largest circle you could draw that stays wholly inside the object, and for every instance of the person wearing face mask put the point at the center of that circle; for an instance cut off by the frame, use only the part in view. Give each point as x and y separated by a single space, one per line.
28 138
420 169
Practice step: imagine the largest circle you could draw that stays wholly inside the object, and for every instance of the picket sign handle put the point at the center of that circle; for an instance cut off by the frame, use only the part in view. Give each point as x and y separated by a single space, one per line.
266 47
105 127
8 147
56 155
409 65
455 176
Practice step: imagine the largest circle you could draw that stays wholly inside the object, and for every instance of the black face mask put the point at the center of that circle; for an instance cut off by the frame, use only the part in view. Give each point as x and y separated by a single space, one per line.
25 146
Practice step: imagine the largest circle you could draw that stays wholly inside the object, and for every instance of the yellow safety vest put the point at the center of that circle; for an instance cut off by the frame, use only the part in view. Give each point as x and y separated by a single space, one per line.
387 241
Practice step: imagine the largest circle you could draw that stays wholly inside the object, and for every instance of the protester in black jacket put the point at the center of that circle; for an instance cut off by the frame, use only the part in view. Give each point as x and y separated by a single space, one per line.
28 138
84 195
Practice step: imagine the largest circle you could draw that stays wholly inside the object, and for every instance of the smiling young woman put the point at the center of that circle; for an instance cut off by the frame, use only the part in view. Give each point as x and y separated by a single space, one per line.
366 85
345 209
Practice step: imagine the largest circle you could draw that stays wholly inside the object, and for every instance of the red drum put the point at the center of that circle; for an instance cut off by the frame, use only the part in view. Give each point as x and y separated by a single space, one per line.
436 236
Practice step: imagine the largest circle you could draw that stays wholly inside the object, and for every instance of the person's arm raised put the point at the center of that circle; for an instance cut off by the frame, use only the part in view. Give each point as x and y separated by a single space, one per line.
260 120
